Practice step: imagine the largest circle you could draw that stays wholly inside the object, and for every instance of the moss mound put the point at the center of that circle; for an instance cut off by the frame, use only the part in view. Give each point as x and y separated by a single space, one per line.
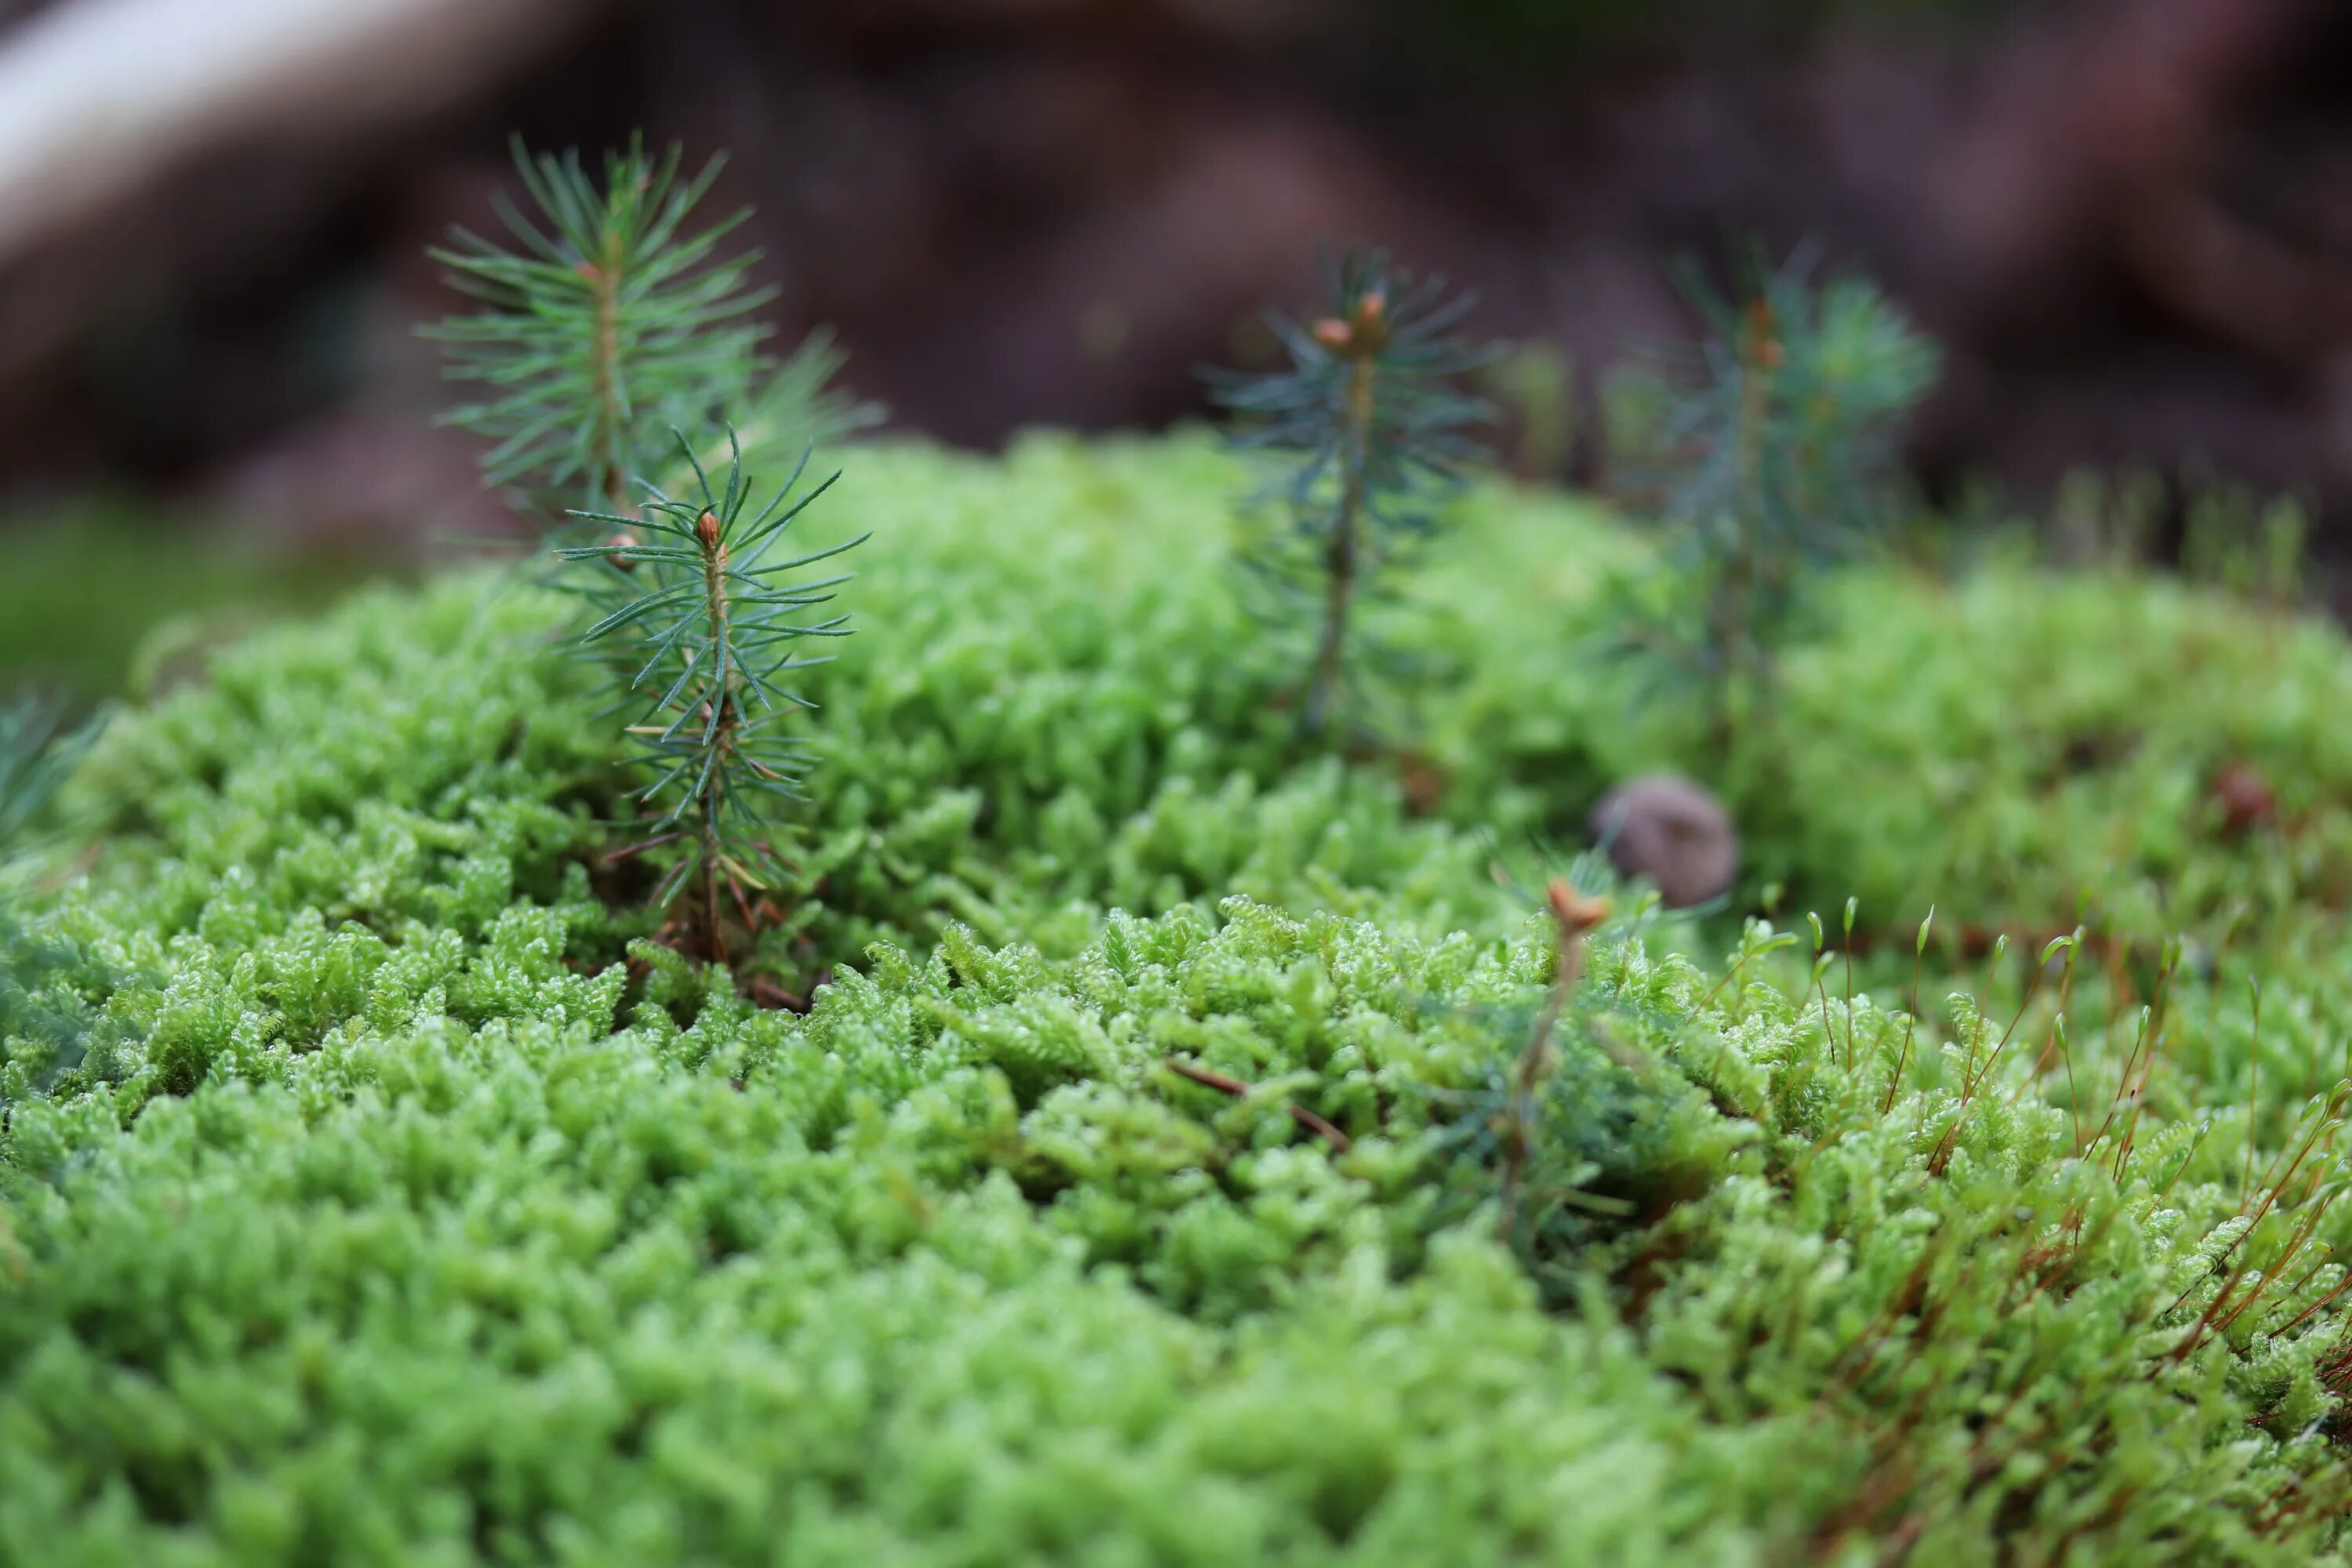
392 1198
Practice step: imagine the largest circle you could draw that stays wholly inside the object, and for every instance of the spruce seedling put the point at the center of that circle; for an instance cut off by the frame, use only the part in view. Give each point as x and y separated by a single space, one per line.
610 325
1370 408
1574 915
613 329
1769 455
37 754
704 626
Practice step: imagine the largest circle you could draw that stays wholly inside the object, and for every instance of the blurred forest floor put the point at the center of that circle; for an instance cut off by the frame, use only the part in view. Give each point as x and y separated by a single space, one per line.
2129 222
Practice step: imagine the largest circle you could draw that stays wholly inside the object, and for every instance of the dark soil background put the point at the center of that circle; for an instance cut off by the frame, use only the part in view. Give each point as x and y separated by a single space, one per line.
2129 221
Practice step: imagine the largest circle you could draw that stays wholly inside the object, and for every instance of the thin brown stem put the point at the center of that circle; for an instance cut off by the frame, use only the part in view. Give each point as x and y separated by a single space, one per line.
1572 915
2253 1101
1341 556
723 720
1910 1021
2308 1313
1730 624
639 847
1851 1050
1224 1083
604 376
707 837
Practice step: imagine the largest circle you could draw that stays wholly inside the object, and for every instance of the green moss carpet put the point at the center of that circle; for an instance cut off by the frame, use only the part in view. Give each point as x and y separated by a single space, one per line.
376 1190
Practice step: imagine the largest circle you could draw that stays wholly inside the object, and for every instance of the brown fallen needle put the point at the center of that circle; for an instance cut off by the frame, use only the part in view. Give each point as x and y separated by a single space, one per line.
1211 1078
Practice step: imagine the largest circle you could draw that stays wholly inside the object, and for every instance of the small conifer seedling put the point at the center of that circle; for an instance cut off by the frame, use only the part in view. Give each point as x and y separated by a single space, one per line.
607 337
37 752
608 327
706 627
1369 407
1769 455
612 323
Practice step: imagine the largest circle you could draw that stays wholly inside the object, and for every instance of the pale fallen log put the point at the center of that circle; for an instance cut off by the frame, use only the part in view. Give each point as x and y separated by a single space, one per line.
101 98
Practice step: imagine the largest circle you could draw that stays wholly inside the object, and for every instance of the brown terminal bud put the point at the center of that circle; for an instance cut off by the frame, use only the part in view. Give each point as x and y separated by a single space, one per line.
1576 912
1370 327
706 528
1764 336
619 542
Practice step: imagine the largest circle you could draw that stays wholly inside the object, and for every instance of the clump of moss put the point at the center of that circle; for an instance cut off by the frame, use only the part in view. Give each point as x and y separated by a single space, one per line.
957 1266
1130 1190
